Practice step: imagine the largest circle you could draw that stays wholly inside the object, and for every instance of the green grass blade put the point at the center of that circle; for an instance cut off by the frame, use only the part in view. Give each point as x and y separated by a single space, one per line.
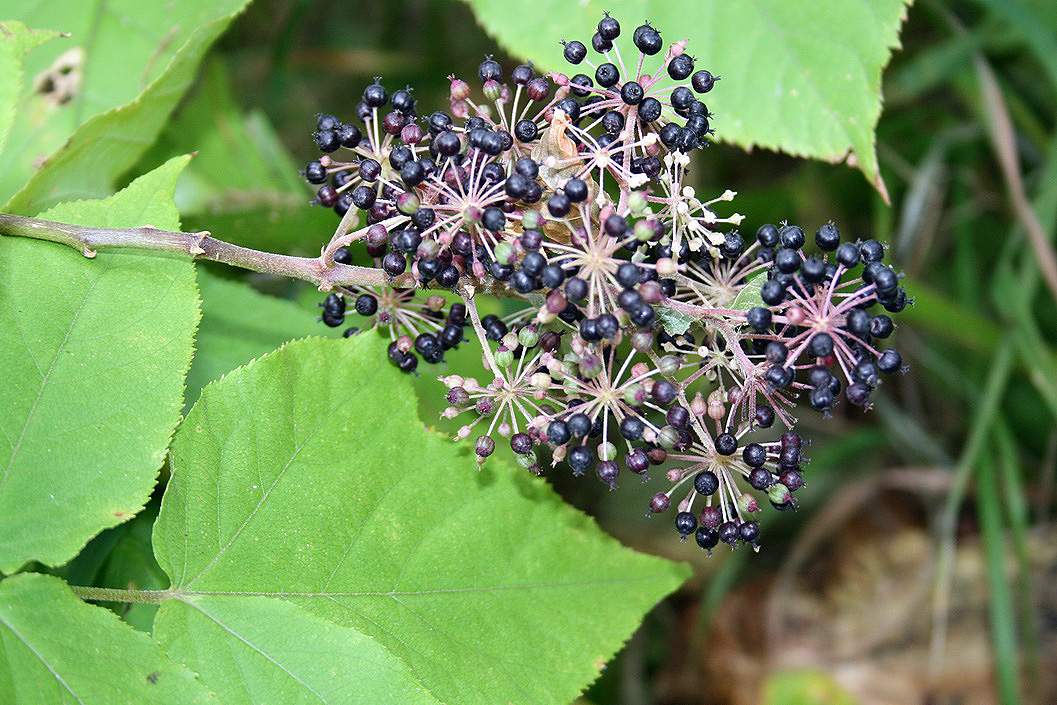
1000 598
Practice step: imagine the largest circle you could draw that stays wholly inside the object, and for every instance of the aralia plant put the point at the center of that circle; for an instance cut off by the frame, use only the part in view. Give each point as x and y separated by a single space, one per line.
645 331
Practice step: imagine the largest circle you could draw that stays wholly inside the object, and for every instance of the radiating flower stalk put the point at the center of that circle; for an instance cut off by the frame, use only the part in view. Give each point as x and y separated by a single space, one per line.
650 337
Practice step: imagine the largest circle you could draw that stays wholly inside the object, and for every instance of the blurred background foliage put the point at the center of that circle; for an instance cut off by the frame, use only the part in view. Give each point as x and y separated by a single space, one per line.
922 566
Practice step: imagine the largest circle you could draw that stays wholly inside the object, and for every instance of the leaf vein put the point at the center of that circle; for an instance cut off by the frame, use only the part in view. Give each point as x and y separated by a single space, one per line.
40 657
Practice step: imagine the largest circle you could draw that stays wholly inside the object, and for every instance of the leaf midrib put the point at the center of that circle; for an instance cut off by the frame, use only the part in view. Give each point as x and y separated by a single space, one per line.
179 593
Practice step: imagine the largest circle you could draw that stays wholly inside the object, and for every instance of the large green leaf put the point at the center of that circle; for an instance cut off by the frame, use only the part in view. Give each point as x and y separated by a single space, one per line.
57 650
135 63
240 324
306 477
803 78
15 41
94 354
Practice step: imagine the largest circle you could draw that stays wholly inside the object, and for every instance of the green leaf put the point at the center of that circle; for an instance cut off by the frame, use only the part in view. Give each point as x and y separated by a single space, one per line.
238 325
749 296
306 477
235 154
265 650
45 656
16 40
674 322
94 355
803 78
136 63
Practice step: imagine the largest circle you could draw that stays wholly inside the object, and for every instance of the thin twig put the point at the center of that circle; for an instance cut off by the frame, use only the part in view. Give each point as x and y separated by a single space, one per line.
202 245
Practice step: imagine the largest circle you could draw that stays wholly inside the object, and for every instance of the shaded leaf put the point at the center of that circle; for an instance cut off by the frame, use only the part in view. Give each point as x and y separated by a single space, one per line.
121 557
749 296
237 155
276 223
130 565
134 65
15 41
45 657
307 477
674 322
94 355
242 185
803 78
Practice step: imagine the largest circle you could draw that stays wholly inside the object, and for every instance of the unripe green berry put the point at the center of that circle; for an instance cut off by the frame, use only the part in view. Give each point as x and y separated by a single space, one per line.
530 220
492 90
747 503
528 336
637 202
668 365
631 393
504 253
668 437
504 358
590 366
779 493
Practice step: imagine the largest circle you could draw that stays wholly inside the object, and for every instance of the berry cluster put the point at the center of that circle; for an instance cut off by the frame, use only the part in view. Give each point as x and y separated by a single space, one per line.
649 332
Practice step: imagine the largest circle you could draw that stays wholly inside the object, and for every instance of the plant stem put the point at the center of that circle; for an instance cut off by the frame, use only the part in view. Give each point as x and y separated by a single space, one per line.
475 318
98 594
199 245
202 245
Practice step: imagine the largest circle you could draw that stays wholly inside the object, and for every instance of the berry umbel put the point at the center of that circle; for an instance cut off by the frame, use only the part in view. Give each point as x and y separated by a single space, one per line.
648 334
